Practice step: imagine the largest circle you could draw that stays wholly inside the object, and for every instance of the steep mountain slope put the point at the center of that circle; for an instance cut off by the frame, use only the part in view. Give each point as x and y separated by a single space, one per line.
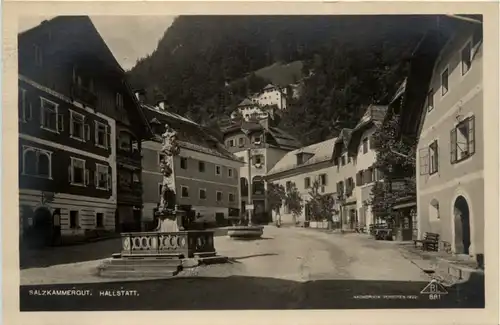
355 59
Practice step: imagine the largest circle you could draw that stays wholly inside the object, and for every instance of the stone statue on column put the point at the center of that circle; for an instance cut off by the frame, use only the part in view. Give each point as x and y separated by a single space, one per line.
169 218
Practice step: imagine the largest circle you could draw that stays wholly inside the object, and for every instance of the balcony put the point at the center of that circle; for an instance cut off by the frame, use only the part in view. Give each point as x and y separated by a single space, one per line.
84 95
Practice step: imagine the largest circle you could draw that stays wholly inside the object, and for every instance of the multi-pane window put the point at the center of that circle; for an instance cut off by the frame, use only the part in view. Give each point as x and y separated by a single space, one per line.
37 162
444 82
184 162
203 194
77 125
231 143
201 166
462 140
102 177
466 55
430 100
307 182
433 157
322 179
184 191
77 172
218 196
49 115
101 135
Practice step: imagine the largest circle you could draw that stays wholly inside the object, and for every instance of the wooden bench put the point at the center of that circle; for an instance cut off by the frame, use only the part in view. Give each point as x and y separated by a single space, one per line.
429 243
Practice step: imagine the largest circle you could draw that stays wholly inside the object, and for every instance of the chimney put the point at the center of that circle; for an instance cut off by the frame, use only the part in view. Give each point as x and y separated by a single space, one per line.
140 94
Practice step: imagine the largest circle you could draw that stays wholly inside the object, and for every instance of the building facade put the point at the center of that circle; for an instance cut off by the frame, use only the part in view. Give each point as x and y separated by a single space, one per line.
67 132
450 156
302 167
259 145
271 95
206 175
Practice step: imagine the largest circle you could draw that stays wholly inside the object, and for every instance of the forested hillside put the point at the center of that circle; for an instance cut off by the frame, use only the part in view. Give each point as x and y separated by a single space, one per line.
205 65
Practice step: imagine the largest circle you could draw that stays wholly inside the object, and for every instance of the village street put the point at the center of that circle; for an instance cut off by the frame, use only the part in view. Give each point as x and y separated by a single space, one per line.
287 268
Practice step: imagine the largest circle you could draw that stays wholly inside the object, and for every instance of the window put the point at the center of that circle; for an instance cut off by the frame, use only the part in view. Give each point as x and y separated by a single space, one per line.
25 113
37 162
102 135
78 174
119 100
184 162
201 166
231 197
184 191
125 141
102 177
307 182
38 55
219 196
230 172
77 125
99 220
322 179
203 194
231 143
466 55
50 119
430 100
218 170
433 157
257 139
160 158
365 145
444 82
241 142
73 219
462 140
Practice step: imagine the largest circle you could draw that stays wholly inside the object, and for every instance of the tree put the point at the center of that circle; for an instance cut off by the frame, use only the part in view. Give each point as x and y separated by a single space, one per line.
293 200
322 205
395 162
275 194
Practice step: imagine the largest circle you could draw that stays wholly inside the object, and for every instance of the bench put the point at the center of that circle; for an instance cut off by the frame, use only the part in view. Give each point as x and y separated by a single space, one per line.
429 243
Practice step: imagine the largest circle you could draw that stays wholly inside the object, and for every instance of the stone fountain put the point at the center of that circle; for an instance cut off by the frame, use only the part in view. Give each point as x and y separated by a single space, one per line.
169 248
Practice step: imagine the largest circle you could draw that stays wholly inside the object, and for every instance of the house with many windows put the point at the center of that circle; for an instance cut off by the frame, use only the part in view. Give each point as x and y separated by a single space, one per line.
450 155
69 84
259 145
302 167
206 175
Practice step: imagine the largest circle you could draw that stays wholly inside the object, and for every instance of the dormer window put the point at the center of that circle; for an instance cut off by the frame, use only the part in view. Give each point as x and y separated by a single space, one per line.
257 139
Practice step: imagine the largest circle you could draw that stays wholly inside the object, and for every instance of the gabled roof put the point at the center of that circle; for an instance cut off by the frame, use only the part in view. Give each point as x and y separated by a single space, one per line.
374 116
246 102
191 135
341 143
269 86
321 152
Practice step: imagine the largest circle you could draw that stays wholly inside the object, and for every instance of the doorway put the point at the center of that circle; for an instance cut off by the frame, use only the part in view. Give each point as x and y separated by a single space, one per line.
462 226
42 228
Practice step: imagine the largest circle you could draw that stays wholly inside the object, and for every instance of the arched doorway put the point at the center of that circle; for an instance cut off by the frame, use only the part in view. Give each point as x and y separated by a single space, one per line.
462 226
41 234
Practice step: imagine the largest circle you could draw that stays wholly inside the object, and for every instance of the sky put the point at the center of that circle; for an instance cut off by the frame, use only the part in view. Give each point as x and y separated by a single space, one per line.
128 37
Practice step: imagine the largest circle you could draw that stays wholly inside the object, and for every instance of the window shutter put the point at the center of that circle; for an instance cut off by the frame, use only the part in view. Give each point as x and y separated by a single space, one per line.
91 178
358 178
110 180
108 137
436 155
69 173
424 161
453 145
60 122
86 128
472 140
87 177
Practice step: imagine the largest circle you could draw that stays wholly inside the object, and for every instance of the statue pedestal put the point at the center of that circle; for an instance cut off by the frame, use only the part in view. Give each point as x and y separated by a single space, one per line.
170 220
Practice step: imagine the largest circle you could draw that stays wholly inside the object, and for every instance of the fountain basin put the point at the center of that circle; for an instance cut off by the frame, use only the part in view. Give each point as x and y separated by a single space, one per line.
245 232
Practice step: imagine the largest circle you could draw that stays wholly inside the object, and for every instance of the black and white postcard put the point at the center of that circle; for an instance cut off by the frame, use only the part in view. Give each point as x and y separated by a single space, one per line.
250 159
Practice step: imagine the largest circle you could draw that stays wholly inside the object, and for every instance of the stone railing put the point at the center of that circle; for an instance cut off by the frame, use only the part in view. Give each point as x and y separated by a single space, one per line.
185 243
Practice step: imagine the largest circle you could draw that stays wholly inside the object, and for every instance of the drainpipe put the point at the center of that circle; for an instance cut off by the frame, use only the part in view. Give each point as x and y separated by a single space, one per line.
250 186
